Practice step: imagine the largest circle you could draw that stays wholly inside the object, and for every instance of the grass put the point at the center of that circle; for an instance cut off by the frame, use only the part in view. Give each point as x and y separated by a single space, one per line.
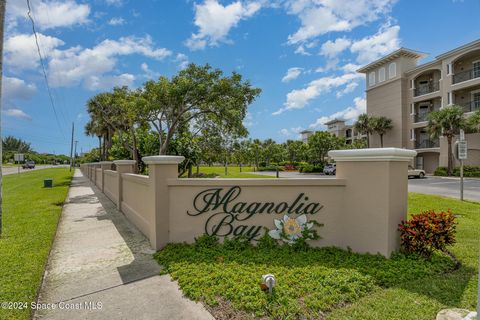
30 217
331 283
233 172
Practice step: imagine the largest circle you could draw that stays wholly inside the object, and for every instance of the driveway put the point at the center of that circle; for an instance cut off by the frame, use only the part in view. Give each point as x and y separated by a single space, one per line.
12 170
443 186
446 186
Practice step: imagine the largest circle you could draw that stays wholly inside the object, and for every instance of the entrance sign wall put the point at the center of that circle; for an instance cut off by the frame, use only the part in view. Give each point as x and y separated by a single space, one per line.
360 208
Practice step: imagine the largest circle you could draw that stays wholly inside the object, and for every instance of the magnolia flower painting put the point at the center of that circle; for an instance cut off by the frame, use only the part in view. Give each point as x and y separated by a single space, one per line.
290 229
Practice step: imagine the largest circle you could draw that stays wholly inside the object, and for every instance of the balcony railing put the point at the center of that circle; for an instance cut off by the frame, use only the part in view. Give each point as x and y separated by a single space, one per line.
421 117
466 75
427 143
470 106
425 88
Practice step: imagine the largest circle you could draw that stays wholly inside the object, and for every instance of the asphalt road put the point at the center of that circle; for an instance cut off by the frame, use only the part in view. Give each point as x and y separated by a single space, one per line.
443 186
12 170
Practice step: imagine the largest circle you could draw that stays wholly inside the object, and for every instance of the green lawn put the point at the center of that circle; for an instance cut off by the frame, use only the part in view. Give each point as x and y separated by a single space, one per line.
30 218
233 172
331 283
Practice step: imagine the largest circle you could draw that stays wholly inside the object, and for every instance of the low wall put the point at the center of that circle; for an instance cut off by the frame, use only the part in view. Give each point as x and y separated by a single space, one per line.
360 208
110 185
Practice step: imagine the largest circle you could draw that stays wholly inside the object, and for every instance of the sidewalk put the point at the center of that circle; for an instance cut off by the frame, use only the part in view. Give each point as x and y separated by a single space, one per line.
102 267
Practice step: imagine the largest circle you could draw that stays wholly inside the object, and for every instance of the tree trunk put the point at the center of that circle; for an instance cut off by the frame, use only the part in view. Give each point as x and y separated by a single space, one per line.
198 168
100 148
104 150
189 169
240 164
381 140
368 140
450 156
226 166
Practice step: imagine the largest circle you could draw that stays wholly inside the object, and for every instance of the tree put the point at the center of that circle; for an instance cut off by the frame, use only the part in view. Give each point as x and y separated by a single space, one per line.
295 150
364 126
16 145
320 143
381 125
446 122
473 122
197 96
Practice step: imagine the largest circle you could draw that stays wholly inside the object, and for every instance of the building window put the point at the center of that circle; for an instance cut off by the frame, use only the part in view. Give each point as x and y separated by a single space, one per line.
392 70
371 79
476 69
381 75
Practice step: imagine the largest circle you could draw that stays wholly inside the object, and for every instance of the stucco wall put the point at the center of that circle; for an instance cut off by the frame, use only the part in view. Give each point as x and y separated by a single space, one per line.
360 208
110 185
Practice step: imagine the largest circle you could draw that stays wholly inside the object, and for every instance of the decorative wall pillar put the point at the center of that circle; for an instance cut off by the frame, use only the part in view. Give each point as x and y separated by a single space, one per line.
161 169
376 197
122 166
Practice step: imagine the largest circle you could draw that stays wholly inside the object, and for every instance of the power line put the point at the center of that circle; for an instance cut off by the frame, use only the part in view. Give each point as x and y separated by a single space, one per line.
43 68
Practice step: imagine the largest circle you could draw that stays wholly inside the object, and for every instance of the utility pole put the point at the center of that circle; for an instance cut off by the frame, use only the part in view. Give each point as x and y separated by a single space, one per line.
3 3
71 147
75 153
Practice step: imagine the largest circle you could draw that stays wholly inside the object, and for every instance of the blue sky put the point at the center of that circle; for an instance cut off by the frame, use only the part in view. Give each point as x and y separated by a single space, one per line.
302 53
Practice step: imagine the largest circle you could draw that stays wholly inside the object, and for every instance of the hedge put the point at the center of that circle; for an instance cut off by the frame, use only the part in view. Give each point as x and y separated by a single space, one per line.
468 171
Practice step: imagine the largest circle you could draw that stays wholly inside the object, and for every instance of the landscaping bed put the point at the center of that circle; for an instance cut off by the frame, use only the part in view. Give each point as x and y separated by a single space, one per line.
319 283
30 217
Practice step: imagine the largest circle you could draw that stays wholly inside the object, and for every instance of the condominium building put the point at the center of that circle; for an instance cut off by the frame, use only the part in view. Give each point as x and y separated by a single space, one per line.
337 127
399 88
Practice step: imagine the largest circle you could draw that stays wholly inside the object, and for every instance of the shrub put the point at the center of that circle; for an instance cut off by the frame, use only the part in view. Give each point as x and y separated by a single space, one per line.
289 167
204 175
428 231
309 168
206 241
468 171
270 168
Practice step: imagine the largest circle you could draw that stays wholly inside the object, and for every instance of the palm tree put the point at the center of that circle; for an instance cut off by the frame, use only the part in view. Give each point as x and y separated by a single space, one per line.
364 126
446 122
381 125
473 122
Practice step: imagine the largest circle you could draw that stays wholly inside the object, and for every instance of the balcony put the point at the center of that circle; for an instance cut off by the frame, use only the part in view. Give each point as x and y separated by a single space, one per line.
427 143
426 88
421 117
466 75
470 106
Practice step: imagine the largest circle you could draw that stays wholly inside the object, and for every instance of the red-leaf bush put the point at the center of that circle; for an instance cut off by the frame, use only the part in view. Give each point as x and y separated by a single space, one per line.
428 231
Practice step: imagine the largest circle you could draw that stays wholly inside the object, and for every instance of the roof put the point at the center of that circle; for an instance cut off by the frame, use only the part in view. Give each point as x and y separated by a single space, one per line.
456 50
306 131
333 121
394 55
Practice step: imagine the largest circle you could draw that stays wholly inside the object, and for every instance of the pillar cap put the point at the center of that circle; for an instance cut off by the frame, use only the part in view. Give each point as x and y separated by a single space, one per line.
106 162
163 159
373 154
124 162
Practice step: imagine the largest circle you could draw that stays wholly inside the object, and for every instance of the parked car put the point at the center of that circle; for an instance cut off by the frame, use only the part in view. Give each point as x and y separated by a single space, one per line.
415 173
29 165
330 169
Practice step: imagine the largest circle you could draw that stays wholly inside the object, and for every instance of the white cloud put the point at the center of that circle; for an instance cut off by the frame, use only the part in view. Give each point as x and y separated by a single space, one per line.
331 49
290 132
76 65
14 88
373 47
17 113
301 50
299 98
330 65
149 73
248 120
351 67
117 3
215 21
117 21
21 51
348 88
49 14
292 74
107 82
182 60
349 114
318 17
